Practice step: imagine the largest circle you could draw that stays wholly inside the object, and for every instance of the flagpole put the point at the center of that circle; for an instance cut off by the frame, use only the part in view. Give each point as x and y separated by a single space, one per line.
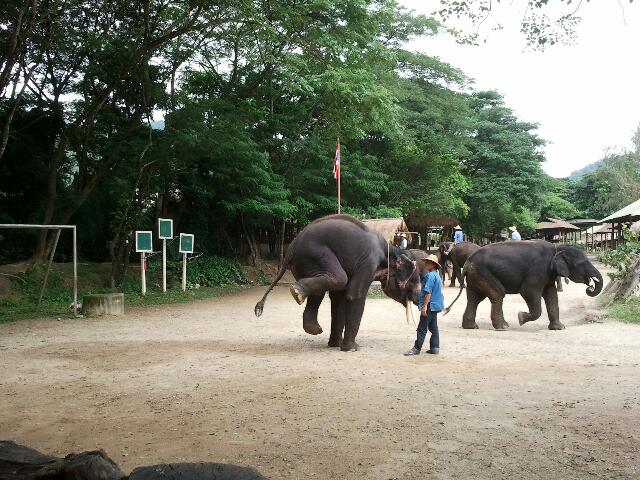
338 172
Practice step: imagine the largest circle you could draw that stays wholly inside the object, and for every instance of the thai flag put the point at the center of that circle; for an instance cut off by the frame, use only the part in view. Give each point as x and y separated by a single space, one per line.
336 162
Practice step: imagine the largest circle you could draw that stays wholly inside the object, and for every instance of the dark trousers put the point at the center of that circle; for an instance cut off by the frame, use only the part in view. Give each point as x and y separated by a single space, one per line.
428 322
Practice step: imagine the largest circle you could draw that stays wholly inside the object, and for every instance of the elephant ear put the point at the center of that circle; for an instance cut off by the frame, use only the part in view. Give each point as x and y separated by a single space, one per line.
560 265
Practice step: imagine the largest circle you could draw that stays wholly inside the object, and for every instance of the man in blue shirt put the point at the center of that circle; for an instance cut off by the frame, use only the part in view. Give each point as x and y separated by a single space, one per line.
431 302
458 237
515 235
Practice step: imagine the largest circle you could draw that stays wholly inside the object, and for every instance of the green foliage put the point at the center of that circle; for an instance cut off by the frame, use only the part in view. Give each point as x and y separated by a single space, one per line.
213 271
623 257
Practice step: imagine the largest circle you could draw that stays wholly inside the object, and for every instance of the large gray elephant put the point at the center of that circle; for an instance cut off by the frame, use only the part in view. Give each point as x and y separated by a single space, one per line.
340 255
529 268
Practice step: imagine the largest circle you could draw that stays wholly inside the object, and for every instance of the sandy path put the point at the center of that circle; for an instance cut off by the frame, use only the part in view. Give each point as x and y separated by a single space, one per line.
209 382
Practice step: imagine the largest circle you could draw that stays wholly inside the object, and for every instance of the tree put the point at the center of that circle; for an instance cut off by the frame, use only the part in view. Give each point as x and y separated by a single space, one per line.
503 167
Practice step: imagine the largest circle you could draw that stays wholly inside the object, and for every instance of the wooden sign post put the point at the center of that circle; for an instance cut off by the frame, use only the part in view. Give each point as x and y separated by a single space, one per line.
186 247
144 244
165 232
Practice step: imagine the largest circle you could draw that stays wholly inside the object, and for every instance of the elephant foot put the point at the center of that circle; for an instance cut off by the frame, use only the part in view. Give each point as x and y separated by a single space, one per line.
335 342
349 347
470 326
501 327
297 294
312 328
556 326
522 318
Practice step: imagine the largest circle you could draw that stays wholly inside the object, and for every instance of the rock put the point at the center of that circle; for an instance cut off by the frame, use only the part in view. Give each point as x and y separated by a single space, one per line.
103 304
195 471
18 462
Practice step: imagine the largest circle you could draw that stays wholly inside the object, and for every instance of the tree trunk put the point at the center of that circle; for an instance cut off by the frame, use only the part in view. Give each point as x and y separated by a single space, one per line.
281 243
629 284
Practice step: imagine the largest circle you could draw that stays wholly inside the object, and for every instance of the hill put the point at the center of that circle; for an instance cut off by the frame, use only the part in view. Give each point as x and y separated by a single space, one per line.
577 174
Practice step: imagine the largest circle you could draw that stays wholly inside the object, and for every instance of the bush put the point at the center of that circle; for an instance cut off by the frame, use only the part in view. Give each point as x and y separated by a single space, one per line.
212 271
623 257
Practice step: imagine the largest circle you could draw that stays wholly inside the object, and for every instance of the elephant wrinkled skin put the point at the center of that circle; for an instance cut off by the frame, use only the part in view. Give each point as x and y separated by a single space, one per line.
340 255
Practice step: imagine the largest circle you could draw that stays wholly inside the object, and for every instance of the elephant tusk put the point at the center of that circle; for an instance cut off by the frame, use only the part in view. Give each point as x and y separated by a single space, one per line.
595 279
407 309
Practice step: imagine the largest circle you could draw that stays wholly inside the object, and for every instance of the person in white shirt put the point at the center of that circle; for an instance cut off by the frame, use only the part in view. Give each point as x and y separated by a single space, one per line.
515 235
403 240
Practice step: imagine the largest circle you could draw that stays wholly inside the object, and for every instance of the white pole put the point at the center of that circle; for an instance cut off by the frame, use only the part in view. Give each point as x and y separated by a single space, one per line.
184 272
164 265
75 272
143 278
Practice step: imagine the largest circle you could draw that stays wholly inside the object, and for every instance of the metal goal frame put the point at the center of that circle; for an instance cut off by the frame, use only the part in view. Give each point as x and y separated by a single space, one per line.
58 228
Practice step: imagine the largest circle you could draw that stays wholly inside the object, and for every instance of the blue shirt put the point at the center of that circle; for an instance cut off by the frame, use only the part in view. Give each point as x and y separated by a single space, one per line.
516 236
458 237
432 284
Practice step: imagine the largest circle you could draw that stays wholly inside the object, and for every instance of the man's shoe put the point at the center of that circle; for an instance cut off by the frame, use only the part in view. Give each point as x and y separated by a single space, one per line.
434 351
412 352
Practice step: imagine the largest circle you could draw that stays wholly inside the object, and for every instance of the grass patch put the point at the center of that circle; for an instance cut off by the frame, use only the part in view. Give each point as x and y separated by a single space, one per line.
21 302
628 312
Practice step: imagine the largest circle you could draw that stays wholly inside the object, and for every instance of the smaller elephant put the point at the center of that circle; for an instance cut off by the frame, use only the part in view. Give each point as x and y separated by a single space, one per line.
528 268
457 256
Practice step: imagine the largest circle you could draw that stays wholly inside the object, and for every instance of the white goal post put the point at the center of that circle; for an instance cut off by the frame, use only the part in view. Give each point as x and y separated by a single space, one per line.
21 226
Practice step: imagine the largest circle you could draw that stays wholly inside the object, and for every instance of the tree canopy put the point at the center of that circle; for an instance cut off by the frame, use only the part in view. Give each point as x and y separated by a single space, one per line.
248 100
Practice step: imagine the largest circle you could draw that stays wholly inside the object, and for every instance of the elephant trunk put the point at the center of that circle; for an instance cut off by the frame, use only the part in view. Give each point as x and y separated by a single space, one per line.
595 283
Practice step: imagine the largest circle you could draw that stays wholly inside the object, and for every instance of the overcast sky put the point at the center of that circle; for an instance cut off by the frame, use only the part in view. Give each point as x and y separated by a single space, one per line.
585 97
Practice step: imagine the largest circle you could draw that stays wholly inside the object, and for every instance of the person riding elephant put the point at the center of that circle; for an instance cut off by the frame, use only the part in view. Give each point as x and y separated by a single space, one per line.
529 268
457 255
341 255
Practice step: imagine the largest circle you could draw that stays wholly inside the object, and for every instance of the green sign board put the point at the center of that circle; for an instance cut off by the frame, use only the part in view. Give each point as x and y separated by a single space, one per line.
165 228
186 243
144 241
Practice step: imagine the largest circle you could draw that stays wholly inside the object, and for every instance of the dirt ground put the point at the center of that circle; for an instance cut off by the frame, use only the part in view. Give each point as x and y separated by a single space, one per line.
208 381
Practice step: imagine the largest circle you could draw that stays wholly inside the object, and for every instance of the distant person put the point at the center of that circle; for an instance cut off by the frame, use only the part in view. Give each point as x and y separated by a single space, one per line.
403 240
515 235
431 302
458 237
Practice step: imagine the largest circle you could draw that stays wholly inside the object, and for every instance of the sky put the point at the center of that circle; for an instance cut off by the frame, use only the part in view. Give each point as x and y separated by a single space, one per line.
585 97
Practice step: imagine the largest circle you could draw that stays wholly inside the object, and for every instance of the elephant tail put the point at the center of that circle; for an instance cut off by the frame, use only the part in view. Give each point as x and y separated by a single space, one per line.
446 310
285 264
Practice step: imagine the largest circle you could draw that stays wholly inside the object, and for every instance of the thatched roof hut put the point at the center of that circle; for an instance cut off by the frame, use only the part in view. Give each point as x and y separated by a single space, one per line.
388 227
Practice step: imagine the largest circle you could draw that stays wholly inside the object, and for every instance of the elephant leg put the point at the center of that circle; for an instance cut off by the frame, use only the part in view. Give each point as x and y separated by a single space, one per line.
338 315
354 309
310 316
455 274
550 295
328 275
497 315
469 317
559 284
533 300
355 297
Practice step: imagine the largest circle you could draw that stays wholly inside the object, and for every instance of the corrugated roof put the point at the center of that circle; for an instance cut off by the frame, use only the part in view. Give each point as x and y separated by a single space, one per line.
556 224
632 210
